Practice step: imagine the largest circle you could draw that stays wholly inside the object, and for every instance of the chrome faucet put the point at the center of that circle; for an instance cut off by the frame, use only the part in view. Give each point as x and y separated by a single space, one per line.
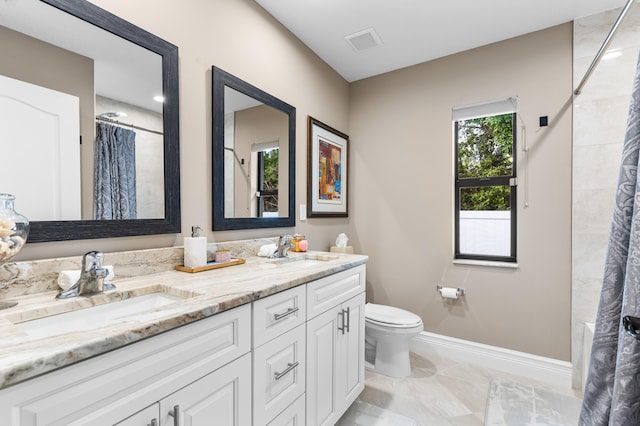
284 244
91 279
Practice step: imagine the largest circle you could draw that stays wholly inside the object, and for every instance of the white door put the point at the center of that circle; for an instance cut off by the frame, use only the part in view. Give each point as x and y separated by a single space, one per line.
321 367
221 398
40 136
350 373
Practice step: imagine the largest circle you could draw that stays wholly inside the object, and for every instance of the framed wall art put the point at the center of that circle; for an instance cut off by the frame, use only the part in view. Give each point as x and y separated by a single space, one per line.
328 166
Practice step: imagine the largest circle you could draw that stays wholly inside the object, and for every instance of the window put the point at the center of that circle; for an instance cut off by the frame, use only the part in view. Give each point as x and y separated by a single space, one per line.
485 182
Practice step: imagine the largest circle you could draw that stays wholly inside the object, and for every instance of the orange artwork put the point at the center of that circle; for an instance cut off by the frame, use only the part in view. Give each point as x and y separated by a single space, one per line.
329 171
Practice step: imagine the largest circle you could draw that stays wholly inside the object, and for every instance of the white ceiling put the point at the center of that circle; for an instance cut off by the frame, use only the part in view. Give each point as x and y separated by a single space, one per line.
415 31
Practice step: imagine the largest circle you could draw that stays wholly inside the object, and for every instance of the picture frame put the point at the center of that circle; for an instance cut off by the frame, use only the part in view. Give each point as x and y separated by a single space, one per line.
328 171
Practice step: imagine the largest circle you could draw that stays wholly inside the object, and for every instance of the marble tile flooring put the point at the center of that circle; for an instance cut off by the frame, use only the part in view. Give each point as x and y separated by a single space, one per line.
444 392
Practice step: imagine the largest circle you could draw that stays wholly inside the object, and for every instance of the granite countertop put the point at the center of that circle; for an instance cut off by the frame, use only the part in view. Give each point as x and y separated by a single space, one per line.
200 295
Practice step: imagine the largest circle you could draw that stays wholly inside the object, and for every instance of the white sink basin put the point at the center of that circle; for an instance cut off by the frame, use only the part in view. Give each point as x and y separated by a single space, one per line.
95 316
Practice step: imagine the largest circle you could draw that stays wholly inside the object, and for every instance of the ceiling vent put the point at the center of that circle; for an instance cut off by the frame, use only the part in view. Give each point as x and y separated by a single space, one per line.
364 40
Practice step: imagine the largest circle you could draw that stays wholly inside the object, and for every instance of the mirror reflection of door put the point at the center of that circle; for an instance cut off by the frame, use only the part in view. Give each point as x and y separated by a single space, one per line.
256 158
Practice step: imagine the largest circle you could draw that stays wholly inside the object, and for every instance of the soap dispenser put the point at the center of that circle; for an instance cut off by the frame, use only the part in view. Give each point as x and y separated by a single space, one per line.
195 249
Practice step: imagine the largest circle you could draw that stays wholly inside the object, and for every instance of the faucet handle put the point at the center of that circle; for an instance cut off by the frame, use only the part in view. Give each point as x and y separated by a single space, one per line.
92 260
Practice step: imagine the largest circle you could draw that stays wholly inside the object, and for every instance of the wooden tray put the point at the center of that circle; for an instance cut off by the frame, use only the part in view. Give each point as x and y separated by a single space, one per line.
210 265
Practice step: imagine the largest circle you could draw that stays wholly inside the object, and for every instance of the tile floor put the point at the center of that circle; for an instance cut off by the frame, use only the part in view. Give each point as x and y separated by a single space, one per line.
439 392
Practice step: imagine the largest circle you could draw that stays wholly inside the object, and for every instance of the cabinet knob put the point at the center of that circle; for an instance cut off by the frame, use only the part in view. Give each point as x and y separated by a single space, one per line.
175 413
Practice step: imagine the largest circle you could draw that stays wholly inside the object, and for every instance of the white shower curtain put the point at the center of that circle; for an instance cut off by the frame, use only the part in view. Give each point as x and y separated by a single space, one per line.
612 392
115 173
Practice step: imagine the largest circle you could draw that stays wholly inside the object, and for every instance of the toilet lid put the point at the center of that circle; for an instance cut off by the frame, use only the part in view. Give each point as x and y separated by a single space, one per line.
390 315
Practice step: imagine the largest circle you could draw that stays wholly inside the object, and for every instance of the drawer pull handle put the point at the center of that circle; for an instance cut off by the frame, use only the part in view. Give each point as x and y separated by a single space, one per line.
290 366
175 413
348 320
341 315
289 311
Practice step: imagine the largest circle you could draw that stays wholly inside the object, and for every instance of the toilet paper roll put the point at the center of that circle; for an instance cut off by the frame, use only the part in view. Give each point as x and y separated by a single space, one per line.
449 293
68 278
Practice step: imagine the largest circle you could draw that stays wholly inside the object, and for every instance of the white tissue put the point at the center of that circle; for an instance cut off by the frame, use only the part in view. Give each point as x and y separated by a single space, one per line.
68 278
342 240
267 250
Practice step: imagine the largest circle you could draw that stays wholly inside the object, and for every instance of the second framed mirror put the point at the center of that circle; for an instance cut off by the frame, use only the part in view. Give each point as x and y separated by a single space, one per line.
253 156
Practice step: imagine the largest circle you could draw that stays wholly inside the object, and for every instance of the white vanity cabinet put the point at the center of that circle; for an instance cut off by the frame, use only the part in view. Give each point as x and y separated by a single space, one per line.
279 358
335 345
200 367
293 358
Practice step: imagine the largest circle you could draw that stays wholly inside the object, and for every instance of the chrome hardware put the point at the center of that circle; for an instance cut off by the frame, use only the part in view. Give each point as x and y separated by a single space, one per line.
348 321
341 315
284 244
289 311
175 413
91 279
290 366
154 422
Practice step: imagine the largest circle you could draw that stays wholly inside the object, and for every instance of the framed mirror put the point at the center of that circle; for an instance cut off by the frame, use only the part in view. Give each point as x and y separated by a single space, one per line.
254 141
108 71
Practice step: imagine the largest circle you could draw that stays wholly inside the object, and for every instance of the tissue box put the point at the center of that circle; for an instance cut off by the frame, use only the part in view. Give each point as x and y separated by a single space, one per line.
347 249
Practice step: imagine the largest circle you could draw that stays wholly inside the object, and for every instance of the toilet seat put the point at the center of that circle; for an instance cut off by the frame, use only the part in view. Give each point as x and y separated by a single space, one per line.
388 316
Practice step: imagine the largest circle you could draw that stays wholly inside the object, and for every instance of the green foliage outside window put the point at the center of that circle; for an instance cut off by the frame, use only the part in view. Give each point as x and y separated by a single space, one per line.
485 149
270 179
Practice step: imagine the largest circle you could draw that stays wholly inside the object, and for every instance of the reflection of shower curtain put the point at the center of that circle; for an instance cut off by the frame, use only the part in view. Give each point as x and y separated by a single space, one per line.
115 173
612 392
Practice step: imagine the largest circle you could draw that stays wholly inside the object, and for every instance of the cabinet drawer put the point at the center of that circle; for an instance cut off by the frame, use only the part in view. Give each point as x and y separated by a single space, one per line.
330 291
107 388
277 314
279 375
292 415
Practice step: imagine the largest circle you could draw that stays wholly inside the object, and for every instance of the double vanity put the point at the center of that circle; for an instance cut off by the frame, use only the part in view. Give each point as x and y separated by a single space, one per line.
268 342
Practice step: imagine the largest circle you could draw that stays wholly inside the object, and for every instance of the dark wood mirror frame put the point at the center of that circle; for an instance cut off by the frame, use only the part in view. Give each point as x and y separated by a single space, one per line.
89 229
220 222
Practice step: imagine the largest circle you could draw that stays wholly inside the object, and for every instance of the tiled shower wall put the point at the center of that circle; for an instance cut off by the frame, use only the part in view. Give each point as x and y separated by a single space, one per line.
599 123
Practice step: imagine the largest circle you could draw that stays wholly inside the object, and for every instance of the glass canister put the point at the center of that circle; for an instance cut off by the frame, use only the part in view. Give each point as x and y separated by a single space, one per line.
14 228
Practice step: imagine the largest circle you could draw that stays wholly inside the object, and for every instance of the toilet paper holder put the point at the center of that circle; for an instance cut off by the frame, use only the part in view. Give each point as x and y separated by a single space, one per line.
459 291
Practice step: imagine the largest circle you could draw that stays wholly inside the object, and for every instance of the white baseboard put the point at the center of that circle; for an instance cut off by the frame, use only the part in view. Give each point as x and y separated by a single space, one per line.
536 367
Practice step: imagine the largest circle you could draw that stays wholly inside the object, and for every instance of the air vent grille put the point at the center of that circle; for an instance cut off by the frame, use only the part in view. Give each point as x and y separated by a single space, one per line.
364 40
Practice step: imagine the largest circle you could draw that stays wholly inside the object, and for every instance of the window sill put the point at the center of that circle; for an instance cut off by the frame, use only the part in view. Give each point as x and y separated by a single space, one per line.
508 265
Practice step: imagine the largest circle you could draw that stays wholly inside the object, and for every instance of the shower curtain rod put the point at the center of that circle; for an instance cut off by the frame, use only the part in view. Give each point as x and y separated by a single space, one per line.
603 48
133 126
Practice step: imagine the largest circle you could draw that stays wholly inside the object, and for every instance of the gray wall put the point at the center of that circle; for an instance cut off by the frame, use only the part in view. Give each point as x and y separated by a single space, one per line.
402 193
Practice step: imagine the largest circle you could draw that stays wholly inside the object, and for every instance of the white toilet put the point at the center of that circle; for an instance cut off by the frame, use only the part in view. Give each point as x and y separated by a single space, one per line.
387 334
